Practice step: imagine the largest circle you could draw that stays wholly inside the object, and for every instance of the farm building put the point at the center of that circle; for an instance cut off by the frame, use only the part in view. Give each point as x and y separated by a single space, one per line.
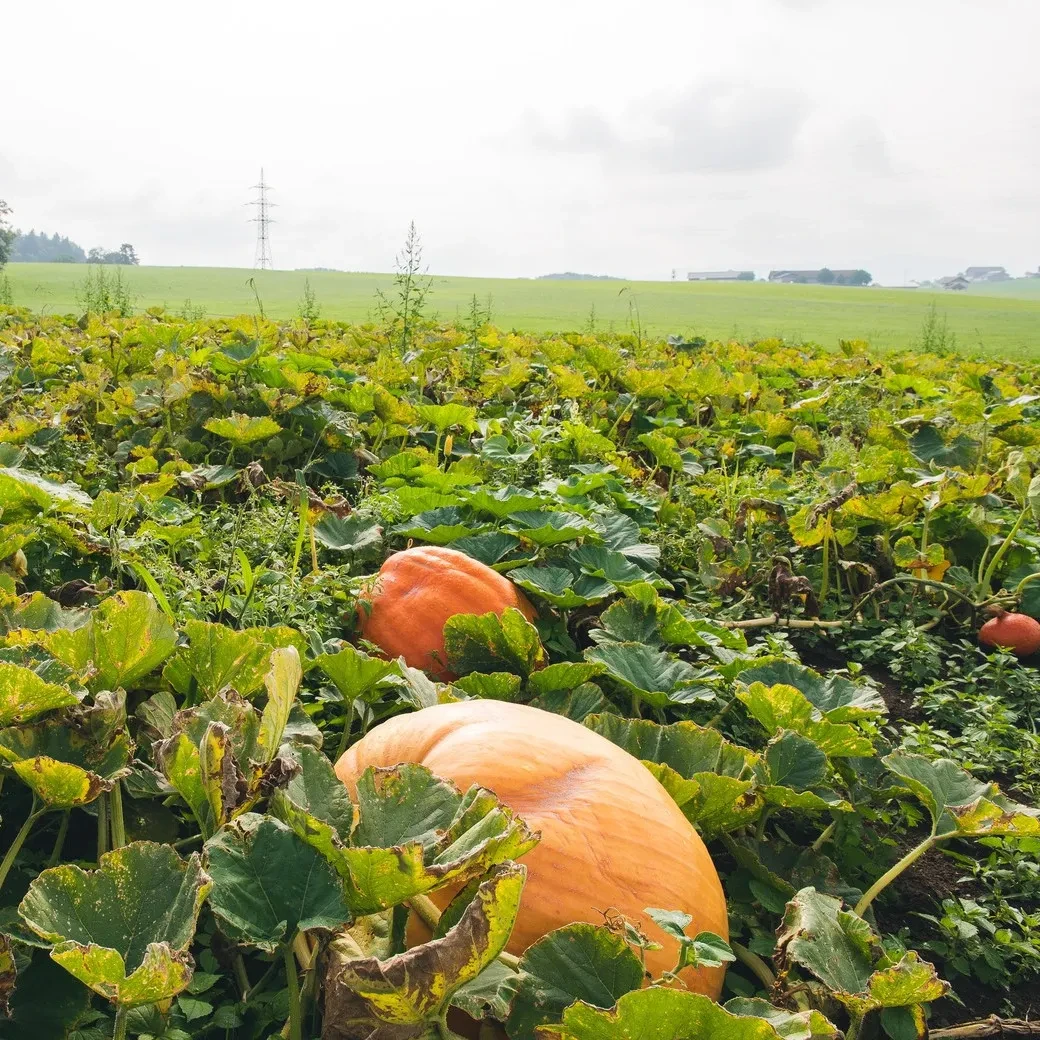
823 276
721 276
986 274
956 282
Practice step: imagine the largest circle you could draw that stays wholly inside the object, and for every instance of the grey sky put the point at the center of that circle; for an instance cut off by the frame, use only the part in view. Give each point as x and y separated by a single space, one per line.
898 135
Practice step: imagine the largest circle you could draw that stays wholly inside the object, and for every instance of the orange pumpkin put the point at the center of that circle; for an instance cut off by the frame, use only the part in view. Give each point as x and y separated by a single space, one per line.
1017 632
612 838
403 610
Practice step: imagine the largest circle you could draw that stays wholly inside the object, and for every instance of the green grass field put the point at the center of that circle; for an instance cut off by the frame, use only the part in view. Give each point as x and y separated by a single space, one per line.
1001 324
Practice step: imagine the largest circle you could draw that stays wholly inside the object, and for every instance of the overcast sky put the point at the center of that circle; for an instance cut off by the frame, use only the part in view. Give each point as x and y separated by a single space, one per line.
902 136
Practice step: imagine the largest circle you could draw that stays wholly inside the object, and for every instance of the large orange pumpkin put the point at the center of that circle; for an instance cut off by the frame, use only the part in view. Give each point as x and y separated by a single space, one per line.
403 610
612 837
1017 632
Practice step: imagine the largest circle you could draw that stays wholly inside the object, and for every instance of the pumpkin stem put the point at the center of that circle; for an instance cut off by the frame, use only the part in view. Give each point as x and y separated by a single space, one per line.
755 964
19 841
889 876
293 982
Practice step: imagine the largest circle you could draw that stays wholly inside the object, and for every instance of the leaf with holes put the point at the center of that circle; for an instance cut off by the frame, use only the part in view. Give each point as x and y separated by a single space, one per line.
411 991
107 928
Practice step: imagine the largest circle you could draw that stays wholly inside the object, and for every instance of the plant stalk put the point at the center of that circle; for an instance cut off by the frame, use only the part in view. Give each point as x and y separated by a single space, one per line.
755 965
59 841
293 982
825 580
775 619
889 876
119 1028
987 578
347 727
909 579
855 1024
16 845
102 826
825 836
116 809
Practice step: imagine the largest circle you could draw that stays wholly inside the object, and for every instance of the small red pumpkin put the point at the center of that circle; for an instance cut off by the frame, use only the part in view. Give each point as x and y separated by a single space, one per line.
1019 633
403 610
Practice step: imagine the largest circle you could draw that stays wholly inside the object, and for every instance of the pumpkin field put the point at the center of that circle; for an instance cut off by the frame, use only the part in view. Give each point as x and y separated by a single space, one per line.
417 681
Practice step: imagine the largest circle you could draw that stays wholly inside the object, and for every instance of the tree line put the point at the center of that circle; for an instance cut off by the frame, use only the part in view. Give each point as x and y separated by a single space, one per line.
41 248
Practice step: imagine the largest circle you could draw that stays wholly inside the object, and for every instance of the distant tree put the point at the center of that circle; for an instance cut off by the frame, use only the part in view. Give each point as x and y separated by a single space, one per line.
825 276
125 255
746 276
6 233
861 277
36 248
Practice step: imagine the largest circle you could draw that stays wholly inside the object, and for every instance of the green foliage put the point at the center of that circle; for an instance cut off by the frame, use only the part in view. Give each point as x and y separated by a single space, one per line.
192 513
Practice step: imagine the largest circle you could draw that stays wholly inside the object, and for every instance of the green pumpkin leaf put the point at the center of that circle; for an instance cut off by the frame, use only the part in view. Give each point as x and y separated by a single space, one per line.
577 703
360 536
438 526
496 686
107 928
268 885
492 643
722 804
442 417
710 778
928 445
958 803
66 766
126 637
315 803
688 748
841 949
218 656
558 586
795 761
782 707
563 676
48 1003
410 991
548 527
791 1025
611 566
404 804
489 995
24 494
654 1013
416 832
356 675
837 698
502 502
24 695
489 548
652 676
579 962
243 429
282 681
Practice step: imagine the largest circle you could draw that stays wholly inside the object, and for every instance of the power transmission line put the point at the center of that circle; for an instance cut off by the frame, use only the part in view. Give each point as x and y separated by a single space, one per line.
262 259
